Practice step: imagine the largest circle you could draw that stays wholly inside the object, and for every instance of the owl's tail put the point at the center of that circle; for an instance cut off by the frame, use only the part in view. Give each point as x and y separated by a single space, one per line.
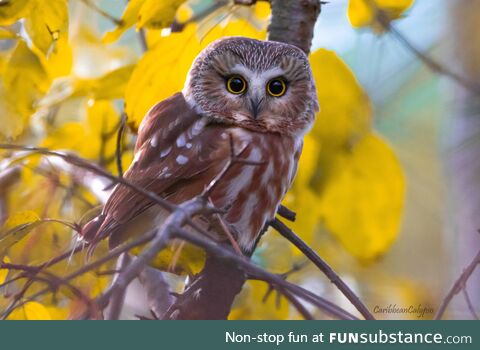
100 227
90 231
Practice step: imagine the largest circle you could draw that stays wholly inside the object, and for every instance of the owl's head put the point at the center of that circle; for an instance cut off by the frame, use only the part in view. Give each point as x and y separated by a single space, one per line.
262 86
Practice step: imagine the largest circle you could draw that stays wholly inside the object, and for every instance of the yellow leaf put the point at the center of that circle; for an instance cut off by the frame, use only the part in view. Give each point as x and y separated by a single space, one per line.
184 13
24 82
57 313
10 119
12 10
162 70
90 283
305 203
102 117
17 226
128 19
361 13
109 86
362 202
345 110
21 218
47 23
157 14
71 137
178 257
30 311
4 272
59 62
85 138
274 253
262 10
93 58
106 87
302 197
25 78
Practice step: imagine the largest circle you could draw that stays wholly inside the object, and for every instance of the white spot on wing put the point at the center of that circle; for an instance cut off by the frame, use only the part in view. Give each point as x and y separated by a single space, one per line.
165 152
188 145
181 140
181 159
154 141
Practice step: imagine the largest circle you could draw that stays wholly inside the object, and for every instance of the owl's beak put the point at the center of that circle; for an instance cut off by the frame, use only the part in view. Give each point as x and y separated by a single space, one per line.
255 103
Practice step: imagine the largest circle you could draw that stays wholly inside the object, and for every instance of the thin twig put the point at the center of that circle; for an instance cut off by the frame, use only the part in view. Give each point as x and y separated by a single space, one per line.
95 169
105 14
458 285
143 39
383 19
286 213
286 232
256 272
118 149
114 253
159 295
176 220
470 306
116 303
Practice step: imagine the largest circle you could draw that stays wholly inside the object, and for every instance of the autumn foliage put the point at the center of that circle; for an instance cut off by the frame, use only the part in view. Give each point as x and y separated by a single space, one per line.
66 85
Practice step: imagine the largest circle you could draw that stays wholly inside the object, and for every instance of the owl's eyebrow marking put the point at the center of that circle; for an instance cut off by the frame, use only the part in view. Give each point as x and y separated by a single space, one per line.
281 77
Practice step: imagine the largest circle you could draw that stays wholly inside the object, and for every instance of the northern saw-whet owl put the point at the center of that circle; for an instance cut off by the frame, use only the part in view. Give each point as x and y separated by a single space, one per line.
258 96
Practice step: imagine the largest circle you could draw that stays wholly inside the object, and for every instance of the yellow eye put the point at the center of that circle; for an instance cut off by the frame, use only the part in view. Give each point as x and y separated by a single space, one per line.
236 85
277 87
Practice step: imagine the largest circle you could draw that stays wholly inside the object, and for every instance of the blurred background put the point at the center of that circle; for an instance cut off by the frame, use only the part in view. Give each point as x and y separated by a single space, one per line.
392 207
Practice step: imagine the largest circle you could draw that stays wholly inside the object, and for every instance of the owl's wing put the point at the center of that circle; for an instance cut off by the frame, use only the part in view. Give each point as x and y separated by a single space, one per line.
174 146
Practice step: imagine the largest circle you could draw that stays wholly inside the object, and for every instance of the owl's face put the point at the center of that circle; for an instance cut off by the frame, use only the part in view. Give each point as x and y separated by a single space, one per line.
262 86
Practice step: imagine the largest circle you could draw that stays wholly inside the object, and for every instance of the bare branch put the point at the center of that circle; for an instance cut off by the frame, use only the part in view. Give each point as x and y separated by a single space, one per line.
113 254
286 213
258 273
458 286
323 266
105 14
159 296
293 22
383 19
115 306
118 149
471 308
176 220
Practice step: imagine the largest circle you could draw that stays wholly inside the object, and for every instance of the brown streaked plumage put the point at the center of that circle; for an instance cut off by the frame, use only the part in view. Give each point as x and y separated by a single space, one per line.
184 142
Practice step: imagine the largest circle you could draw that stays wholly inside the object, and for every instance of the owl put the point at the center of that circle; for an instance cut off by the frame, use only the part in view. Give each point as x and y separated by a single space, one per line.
257 97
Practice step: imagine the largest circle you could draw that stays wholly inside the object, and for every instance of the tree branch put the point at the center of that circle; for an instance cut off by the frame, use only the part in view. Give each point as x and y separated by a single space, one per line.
286 232
173 227
255 272
293 22
431 63
159 296
458 286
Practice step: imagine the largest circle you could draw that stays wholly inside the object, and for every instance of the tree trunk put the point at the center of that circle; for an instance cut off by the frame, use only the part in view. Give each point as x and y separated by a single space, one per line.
293 22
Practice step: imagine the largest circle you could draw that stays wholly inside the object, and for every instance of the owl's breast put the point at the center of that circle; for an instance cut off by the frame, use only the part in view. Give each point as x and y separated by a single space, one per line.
252 192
